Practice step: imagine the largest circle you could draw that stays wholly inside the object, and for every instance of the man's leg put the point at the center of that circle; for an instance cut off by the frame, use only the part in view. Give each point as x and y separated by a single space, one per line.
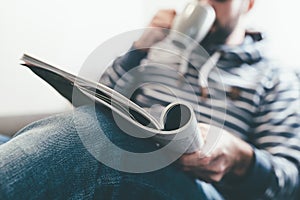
48 160
3 139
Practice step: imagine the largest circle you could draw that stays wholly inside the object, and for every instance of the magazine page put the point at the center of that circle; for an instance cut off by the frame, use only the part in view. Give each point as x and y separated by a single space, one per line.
177 127
94 90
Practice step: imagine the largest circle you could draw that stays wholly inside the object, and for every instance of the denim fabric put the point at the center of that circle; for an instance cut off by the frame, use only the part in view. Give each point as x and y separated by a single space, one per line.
3 139
47 160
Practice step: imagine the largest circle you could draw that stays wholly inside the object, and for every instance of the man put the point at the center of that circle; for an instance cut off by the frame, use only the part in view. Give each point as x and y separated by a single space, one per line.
257 157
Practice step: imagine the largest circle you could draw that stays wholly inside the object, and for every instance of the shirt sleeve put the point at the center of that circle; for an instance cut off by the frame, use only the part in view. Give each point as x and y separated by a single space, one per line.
276 142
121 66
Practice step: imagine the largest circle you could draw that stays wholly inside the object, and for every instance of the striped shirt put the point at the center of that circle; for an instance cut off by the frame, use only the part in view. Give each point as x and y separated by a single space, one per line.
247 96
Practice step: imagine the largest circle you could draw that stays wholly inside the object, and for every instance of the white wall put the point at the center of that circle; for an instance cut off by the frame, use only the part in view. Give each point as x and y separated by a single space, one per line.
63 32
280 20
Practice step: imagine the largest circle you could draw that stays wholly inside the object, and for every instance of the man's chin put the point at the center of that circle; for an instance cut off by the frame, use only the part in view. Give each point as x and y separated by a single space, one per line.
214 37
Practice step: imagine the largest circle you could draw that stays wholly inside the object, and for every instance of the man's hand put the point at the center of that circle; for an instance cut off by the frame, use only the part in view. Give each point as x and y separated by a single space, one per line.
229 155
162 21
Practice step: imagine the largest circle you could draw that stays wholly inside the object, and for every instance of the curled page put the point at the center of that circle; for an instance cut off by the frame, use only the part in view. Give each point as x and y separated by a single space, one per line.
177 130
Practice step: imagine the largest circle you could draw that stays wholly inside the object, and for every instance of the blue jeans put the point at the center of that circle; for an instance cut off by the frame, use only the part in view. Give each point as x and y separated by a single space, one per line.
47 160
3 139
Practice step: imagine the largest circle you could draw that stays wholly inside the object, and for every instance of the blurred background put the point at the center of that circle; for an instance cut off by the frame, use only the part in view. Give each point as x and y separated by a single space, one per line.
66 32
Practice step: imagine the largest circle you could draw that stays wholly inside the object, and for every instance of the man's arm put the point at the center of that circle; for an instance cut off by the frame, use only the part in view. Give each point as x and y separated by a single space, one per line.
155 32
121 65
277 136
273 170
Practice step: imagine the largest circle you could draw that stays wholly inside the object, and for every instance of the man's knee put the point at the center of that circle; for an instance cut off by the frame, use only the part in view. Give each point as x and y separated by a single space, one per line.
47 153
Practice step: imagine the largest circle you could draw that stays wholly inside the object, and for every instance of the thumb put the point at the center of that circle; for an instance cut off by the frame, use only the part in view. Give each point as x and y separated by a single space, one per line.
203 130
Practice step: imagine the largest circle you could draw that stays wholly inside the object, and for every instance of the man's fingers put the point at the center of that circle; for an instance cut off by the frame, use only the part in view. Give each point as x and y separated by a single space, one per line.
203 129
209 177
163 19
159 26
196 159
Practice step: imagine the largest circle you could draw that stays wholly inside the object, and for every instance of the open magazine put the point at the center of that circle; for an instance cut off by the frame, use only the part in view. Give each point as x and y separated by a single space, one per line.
177 128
